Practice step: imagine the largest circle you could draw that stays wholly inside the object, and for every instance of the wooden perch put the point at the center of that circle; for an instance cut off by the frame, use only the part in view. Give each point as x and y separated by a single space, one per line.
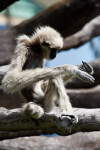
13 124
79 141
85 98
90 30
71 16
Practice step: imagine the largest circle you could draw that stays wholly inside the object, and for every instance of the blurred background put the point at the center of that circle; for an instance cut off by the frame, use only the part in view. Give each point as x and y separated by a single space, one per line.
25 9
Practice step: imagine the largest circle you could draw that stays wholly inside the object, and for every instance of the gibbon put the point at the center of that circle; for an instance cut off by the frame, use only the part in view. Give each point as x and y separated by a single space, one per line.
42 87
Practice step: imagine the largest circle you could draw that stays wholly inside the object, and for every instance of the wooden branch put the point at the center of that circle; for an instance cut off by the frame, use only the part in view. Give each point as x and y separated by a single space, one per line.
5 3
90 30
71 16
83 141
85 98
13 124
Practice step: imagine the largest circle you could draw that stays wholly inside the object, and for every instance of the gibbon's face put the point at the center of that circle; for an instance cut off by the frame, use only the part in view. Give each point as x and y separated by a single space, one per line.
50 41
49 51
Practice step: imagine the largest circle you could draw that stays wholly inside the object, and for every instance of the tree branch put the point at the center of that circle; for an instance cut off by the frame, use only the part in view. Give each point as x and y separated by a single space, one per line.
83 141
85 98
13 124
71 14
5 3
90 30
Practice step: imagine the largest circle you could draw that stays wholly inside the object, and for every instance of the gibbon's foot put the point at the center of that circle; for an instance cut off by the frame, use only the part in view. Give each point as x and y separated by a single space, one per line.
32 110
86 67
72 119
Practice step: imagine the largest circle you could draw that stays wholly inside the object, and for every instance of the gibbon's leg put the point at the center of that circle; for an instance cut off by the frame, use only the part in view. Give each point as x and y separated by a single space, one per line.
56 92
32 110
50 95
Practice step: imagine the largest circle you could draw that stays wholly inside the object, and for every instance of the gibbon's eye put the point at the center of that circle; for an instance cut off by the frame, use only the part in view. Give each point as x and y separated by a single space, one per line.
46 44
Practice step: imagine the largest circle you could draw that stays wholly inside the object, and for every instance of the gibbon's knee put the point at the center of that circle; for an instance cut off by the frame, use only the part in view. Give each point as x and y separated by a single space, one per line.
32 110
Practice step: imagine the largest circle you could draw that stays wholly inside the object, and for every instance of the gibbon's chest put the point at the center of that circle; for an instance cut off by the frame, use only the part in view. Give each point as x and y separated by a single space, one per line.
32 62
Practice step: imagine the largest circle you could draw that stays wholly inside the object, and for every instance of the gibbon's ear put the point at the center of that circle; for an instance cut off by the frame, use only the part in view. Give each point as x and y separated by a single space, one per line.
23 39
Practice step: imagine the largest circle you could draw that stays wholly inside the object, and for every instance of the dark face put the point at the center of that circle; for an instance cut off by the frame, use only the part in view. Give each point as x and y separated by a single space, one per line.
53 53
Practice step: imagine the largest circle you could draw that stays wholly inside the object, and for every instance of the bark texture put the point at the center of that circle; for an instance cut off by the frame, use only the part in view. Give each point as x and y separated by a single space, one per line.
89 31
78 141
13 124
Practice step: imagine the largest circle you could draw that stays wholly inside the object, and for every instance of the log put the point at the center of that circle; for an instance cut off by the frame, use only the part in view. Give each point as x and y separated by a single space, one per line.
85 98
71 16
89 31
13 124
83 141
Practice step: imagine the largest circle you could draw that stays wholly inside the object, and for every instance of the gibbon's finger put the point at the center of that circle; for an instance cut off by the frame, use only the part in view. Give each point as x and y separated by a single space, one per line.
89 78
86 67
73 119
85 77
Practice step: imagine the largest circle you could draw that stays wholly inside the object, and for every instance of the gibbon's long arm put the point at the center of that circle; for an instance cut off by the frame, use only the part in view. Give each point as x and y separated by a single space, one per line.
16 78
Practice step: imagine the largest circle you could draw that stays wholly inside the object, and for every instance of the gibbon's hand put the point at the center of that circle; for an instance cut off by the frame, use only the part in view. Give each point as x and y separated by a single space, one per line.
85 77
84 72
86 67
73 119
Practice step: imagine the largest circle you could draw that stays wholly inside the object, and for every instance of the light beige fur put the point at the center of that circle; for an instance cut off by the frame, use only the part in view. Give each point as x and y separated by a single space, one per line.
41 87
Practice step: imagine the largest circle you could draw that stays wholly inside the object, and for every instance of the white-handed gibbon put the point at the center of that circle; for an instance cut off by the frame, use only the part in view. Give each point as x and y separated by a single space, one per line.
42 87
